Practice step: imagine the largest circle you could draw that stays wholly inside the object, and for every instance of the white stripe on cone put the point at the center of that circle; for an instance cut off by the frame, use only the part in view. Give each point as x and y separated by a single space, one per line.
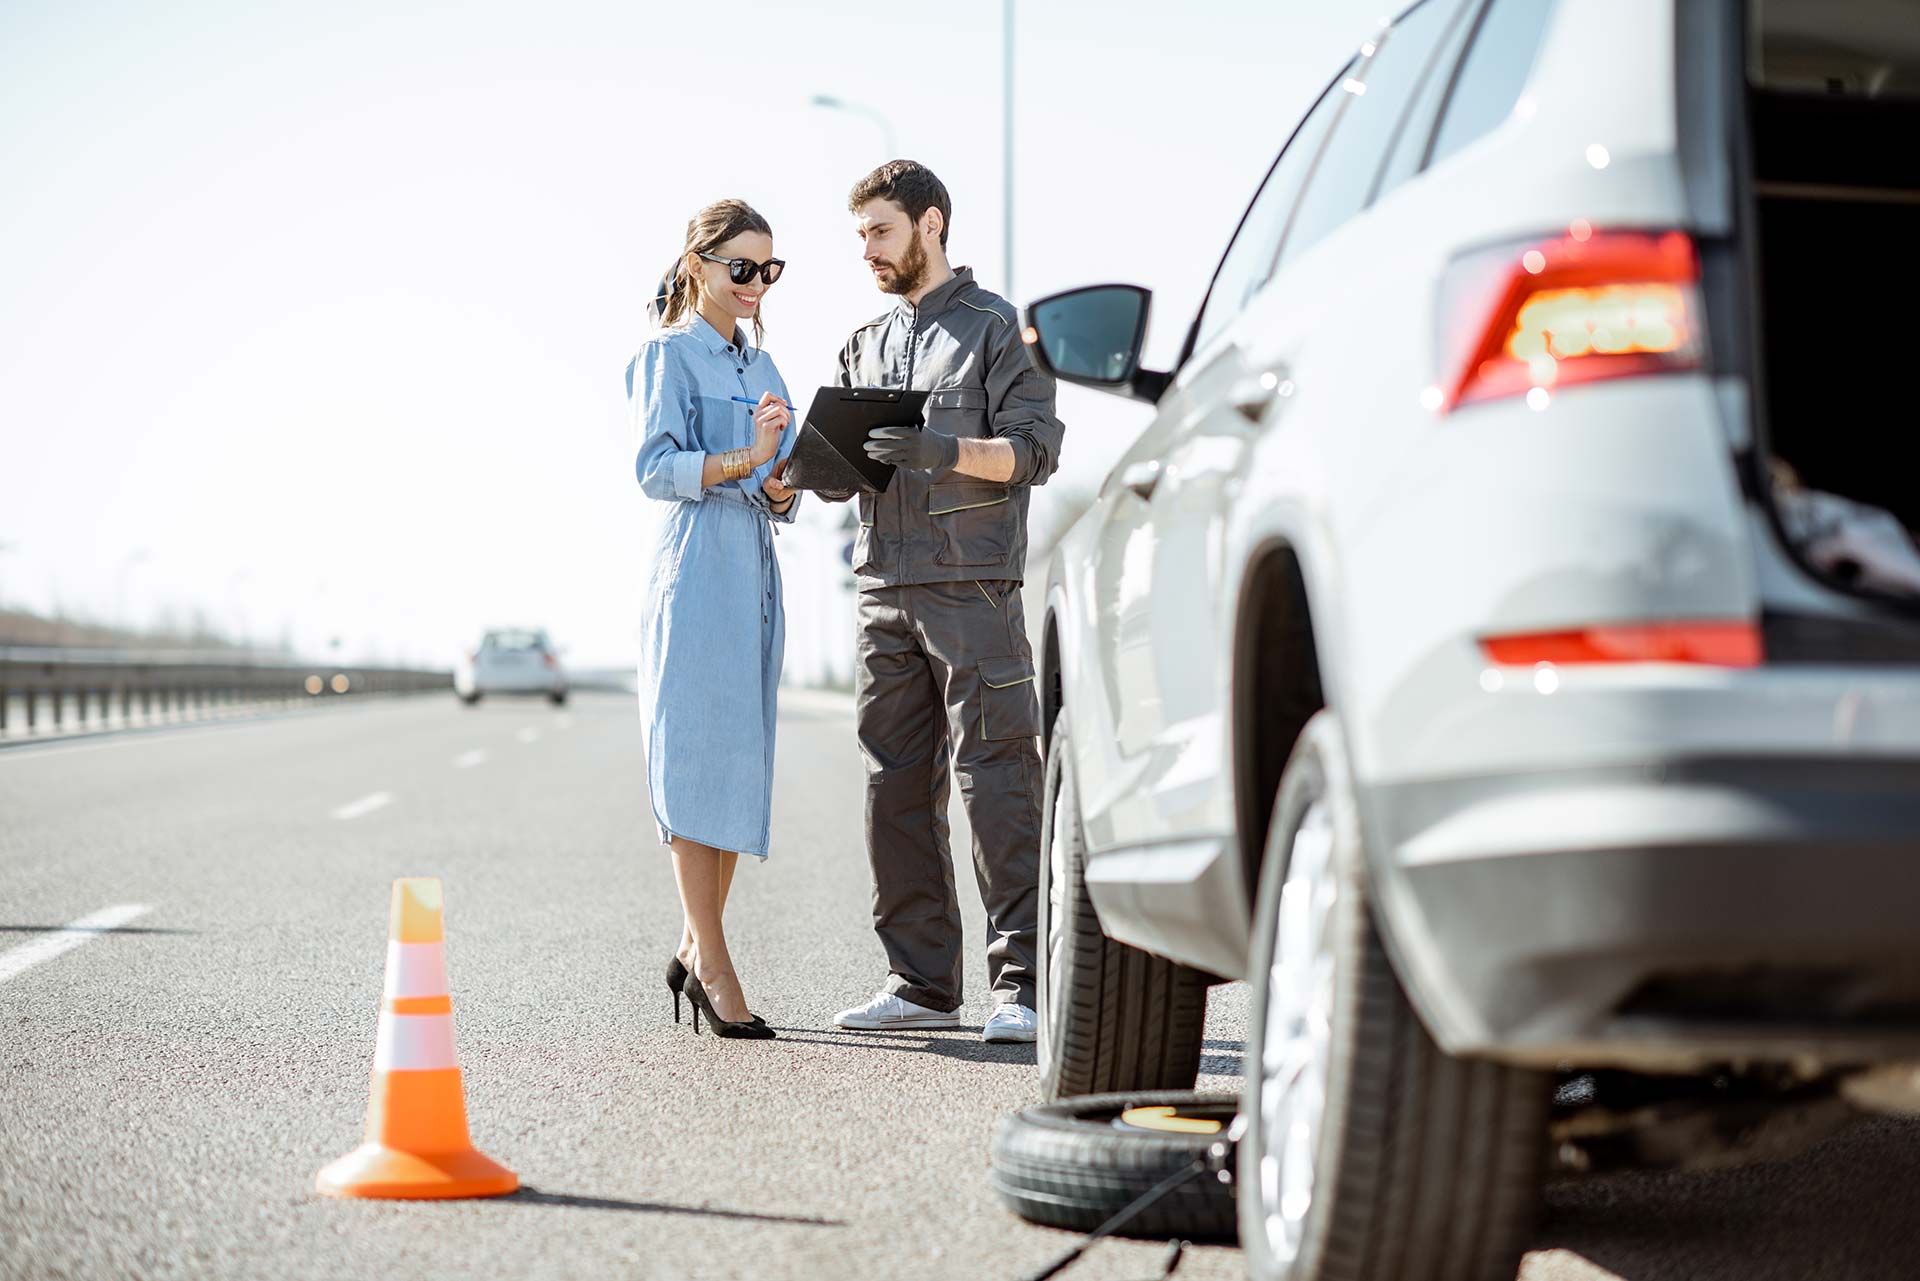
414 1043
416 969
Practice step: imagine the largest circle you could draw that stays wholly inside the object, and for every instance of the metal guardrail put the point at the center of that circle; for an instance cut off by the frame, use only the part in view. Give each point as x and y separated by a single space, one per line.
103 688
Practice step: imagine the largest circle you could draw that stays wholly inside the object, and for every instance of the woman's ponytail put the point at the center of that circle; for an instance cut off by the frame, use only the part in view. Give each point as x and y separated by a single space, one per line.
674 299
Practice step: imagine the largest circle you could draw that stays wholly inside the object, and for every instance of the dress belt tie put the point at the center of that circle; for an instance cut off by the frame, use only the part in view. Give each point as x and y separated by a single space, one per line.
732 494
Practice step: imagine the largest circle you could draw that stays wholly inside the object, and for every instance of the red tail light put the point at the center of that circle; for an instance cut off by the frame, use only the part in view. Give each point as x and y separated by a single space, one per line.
1569 309
1735 644
551 660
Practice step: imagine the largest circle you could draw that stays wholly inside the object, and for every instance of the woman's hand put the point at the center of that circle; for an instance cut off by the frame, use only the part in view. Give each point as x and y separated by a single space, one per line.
770 419
776 489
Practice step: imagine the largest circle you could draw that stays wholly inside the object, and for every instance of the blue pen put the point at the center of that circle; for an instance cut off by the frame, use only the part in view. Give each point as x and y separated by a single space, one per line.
744 401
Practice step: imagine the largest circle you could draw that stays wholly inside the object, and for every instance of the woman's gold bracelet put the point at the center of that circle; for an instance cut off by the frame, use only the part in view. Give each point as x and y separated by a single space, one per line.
736 464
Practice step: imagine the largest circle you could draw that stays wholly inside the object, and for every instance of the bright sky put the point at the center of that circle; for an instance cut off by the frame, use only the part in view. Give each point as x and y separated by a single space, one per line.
314 317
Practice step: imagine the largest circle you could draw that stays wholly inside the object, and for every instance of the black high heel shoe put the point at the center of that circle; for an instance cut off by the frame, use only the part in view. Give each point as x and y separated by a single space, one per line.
676 979
676 983
750 1030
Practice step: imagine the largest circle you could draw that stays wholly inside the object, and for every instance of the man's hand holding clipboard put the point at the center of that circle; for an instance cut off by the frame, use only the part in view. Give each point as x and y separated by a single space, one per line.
853 437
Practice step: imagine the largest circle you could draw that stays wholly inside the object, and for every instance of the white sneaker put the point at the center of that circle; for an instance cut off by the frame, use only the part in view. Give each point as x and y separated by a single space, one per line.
886 1010
1011 1023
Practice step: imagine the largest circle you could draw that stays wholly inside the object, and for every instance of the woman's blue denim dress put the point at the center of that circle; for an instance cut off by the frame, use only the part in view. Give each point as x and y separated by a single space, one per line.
713 628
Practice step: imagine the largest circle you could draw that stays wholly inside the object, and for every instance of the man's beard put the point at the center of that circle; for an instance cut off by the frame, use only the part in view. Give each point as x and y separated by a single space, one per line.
912 270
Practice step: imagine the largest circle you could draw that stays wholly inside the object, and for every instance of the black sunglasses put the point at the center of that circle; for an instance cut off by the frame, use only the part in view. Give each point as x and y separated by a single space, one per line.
742 270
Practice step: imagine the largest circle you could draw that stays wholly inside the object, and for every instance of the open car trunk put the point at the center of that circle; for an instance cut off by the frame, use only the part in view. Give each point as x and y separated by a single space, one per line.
1833 114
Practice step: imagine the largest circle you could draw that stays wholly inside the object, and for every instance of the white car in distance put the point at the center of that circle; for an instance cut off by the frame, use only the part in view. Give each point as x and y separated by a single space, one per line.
515 660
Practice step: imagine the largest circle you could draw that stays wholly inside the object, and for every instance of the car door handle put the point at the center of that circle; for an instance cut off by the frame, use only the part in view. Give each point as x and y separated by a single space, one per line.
1142 477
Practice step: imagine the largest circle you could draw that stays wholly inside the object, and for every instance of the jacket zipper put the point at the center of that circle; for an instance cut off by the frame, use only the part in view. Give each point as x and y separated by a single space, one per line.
913 342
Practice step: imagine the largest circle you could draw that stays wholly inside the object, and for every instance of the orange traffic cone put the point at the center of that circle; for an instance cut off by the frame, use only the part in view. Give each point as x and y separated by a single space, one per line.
417 1142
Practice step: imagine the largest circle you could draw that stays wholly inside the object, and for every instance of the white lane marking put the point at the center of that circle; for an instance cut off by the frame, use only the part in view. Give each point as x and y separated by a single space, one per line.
467 760
365 805
67 937
529 735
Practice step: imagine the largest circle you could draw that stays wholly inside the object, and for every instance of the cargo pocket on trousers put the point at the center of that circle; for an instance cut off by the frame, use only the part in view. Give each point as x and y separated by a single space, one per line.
1009 699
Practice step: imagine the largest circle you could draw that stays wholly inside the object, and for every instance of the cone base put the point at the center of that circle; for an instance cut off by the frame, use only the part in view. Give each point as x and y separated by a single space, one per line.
371 1170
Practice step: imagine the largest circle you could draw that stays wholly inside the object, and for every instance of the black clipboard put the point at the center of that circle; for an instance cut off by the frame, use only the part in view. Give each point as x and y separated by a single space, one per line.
829 453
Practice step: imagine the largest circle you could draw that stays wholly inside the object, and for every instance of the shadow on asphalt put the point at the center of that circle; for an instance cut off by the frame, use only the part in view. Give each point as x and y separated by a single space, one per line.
1843 1209
68 929
967 1046
534 1196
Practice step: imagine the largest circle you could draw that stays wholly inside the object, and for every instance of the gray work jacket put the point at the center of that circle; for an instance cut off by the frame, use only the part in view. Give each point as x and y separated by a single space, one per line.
963 344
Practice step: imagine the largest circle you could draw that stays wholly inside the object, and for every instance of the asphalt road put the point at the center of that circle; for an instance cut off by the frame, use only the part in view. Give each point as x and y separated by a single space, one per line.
169 1088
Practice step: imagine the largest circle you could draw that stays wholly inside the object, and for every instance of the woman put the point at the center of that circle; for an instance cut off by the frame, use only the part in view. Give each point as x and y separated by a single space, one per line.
713 628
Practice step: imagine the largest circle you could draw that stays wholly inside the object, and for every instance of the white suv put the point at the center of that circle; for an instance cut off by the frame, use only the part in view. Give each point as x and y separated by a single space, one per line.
1503 647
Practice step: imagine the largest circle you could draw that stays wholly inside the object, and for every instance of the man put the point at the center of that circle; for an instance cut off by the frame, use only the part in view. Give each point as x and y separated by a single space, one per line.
945 671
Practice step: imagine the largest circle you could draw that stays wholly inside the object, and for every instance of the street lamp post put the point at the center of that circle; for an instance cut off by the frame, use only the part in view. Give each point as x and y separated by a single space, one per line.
1006 143
831 103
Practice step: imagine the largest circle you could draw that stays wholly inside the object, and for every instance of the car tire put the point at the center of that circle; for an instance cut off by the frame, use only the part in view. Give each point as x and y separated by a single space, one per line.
558 700
1368 1153
1068 1165
1112 1017
471 700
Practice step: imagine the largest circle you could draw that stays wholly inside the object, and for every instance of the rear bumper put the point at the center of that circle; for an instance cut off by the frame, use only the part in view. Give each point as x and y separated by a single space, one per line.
541 682
1670 913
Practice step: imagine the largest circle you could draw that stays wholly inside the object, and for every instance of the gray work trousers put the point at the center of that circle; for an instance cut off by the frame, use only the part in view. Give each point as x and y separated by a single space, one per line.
945 674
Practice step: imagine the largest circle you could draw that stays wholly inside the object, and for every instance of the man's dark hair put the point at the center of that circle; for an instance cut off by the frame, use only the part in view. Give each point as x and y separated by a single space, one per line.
909 184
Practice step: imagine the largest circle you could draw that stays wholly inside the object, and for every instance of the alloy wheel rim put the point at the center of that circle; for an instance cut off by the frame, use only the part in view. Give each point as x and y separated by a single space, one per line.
1297 1039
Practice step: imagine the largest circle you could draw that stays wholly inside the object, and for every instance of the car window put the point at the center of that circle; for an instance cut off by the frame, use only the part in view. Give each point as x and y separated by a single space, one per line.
1489 81
1249 260
515 640
1379 85
1410 144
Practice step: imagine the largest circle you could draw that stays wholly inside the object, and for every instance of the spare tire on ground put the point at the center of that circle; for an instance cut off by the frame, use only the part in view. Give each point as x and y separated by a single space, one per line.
1076 1163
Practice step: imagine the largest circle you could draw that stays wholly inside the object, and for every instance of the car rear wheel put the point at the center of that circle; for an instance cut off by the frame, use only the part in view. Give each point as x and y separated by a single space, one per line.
1369 1154
1112 1018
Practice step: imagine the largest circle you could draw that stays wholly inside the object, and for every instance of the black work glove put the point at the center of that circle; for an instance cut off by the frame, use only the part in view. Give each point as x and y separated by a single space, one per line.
920 448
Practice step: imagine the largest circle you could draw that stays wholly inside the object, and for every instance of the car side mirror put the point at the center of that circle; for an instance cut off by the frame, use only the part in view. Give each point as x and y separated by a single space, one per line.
1092 336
